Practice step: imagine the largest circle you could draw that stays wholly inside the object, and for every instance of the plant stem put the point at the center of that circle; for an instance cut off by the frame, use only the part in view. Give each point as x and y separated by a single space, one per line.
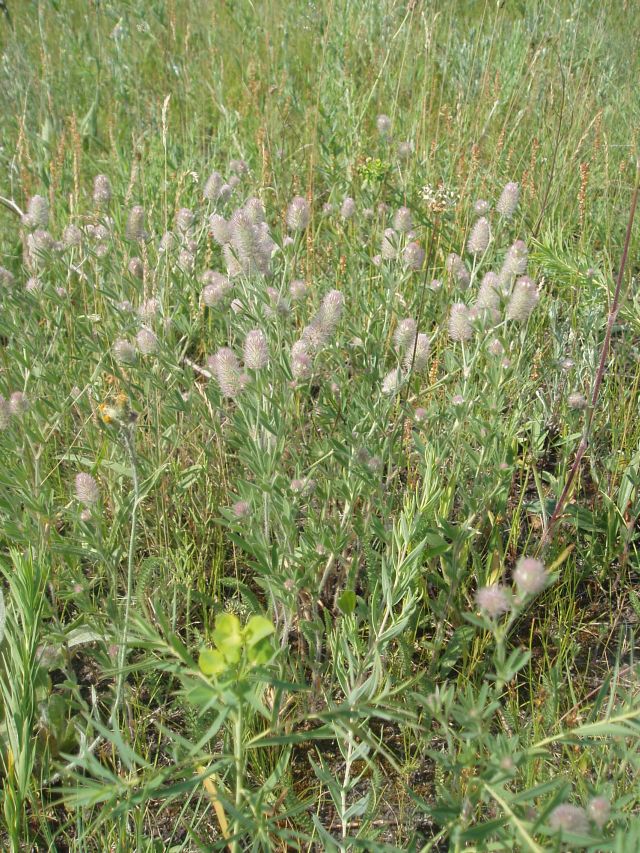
122 653
239 766
595 392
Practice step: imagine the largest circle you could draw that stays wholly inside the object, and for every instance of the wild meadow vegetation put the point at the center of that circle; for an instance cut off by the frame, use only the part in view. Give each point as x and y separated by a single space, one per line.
319 435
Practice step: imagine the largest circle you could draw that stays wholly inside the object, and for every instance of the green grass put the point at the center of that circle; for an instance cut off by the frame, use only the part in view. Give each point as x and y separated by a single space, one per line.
381 709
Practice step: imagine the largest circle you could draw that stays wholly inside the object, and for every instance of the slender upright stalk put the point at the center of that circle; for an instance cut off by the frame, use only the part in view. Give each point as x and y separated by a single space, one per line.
595 391
122 653
238 757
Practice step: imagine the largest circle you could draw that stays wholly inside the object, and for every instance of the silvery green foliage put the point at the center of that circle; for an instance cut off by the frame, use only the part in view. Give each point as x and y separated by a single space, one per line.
347 447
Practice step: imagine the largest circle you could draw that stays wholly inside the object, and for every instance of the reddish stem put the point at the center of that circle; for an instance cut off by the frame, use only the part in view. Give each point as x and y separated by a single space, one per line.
595 393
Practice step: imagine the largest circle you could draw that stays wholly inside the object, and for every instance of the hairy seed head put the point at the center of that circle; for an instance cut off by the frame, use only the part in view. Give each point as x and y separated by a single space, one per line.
488 292
256 351
348 208
515 262
18 404
241 509
460 328
456 268
72 236
403 220
392 381
493 600
383 123
298 214
508 201
530 576
405 150
389 246
6 277
405 334
147 341
219 229
599 810
570 819
413 256
184 220
298 289
481 207
479 238
135 228
577 401
417 357
37 212
301 361
239 167
524 298
101 191
136 267
226 367
213 187
87 491
254 208
124 352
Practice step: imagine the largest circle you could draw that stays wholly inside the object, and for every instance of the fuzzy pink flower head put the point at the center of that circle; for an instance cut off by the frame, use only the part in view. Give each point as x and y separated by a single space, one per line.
599 810
493 600
405 334
516 259
184 220
72 236
38 212
413 256
420 415
508 201
298 289
147 341
481 207
403 220
213 188
101 191
224 364
416 356
348 209
18 404
456 268
87 491
568 818
124 352
480 237
389 245
298 214
219 229
405 150
6 277
577 401
135 268
135 227
495 347
460 328
383 124
524 298
530 576
241 509
256 350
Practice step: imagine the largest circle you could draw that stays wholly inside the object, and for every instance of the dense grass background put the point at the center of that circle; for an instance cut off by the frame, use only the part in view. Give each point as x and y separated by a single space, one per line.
386 715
